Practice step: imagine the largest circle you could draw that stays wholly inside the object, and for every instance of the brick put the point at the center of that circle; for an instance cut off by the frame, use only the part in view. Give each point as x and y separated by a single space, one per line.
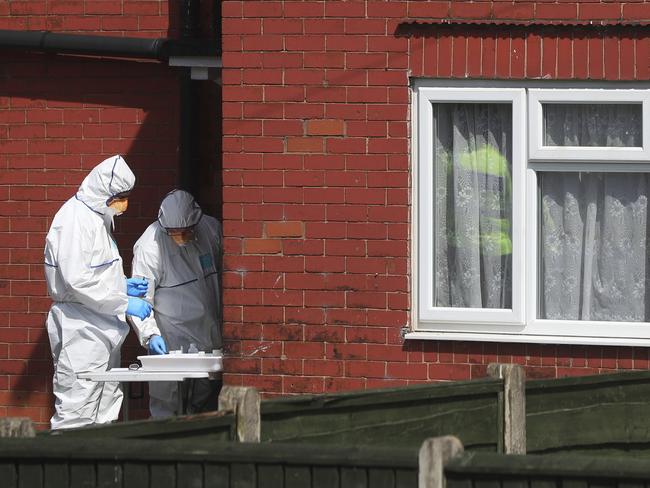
599 11
304 9
304 350
365 369
331 60
611 56
282 128
292 384
284 229
324 26
325 127
263 43
549 58
305 144
311 316
262 246
596 58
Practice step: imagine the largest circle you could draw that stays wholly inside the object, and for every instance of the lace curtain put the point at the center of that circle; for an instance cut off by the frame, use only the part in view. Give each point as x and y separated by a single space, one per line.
473 205
602 125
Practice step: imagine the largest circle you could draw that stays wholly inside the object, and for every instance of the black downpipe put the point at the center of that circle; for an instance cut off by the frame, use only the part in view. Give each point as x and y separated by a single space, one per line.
189 105
54 42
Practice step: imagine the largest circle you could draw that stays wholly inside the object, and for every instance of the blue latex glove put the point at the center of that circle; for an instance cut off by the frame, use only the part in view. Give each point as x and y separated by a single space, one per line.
136 287
138 307
157 345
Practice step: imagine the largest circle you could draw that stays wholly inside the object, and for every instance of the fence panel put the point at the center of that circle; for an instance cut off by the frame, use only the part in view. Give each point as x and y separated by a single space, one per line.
396 417
209 427
606 412
480 469
68 461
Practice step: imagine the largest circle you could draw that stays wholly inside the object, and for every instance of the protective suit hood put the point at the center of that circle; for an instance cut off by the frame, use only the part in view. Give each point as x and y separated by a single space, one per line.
106 180
179 210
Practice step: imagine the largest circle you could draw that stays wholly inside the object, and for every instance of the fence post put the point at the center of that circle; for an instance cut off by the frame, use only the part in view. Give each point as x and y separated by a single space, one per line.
245 402
434 454
16 427
514 405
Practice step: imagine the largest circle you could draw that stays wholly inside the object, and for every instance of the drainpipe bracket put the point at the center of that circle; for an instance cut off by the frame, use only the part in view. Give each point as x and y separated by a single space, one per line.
201 67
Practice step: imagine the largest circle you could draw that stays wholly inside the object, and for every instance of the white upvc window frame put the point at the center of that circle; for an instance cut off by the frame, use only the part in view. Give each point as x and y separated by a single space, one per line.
445 315
539 152
521 323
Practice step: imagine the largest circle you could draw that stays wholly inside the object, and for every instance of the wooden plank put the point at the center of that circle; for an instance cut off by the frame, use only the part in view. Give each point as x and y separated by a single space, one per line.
354 478
136 475
190 474
214 426
297 477
164 475
480 482
9 474
55 475
325 477
470 419
82 474
270 476
374 397
146 451
381 478
406 478
30 475
575 483
216 475
109 475
544 483
515 483
243 475
459 483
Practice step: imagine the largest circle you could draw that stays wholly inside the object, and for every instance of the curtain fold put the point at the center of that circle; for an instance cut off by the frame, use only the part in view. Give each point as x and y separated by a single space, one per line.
473 205
594 249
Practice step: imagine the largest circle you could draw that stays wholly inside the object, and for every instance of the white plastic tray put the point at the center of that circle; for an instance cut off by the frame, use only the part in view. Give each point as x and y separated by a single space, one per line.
182 362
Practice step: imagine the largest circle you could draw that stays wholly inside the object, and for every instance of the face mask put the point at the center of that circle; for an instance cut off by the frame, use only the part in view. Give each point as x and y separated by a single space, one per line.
109 216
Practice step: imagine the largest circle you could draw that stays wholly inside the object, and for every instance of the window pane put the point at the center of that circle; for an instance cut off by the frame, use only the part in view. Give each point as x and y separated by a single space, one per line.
473 205
593 246
599 125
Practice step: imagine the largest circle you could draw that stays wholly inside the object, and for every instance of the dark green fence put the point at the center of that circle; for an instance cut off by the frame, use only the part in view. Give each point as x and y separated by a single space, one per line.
93 463
607 413
214 426
391 417
490 470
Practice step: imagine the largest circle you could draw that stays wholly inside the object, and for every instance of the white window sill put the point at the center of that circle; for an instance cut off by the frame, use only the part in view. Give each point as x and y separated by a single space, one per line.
526 338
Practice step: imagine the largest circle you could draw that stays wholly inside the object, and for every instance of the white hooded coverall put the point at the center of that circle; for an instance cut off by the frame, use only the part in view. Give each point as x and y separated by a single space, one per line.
85 279
184 288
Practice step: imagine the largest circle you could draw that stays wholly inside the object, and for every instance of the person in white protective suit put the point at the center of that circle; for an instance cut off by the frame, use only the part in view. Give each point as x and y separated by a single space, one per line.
85 279
180 257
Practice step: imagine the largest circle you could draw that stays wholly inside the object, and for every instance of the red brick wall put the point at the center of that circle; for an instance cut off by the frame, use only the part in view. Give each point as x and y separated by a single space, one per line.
316 178
59 116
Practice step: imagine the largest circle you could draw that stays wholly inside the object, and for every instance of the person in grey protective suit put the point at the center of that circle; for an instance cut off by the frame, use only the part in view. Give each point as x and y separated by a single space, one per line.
85 279
180 256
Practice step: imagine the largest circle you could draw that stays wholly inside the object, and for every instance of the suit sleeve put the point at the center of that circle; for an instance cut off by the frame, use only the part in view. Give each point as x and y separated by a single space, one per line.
146 264
89 271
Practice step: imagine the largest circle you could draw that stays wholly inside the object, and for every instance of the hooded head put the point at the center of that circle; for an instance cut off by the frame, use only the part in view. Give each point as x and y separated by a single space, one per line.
109 179
179 211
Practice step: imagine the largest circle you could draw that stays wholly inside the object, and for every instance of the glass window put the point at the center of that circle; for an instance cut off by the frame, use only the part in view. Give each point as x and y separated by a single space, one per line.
601 125
594 254
473 205
531 213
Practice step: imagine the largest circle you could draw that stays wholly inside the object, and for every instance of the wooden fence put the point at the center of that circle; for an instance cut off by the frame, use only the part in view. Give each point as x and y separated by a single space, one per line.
480 413
491 470
607 413
67 462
